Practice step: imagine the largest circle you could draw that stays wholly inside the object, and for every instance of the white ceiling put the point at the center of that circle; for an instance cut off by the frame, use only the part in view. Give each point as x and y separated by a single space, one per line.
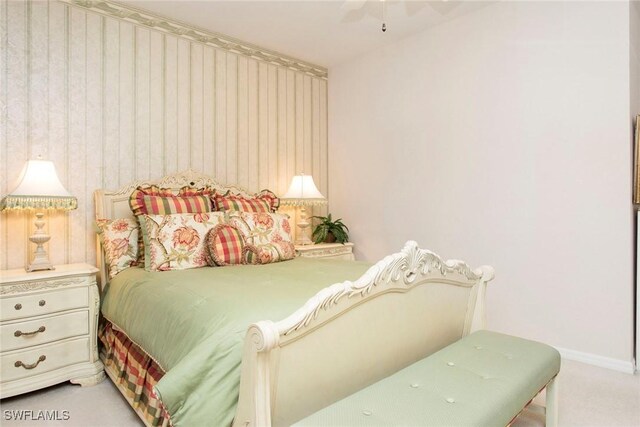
323 32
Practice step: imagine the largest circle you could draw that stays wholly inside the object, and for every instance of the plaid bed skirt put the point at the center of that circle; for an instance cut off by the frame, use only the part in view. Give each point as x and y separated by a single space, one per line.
134 372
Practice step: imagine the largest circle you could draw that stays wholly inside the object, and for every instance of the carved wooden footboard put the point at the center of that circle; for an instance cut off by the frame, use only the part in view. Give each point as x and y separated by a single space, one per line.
352 334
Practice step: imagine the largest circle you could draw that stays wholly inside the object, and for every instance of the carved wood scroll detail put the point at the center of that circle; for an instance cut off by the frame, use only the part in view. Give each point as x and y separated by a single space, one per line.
181 179
402 269
39 285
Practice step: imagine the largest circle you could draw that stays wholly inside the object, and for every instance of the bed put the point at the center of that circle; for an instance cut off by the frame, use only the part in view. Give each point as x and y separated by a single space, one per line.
262 345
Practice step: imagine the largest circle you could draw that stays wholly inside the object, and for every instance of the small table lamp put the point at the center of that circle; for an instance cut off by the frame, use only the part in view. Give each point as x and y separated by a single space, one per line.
303 192
39 188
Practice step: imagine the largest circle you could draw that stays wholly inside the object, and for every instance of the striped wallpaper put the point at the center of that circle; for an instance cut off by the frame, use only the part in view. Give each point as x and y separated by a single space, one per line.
110 100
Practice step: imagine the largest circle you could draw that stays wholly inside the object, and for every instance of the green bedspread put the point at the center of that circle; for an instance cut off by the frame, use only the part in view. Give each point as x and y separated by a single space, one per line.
193 323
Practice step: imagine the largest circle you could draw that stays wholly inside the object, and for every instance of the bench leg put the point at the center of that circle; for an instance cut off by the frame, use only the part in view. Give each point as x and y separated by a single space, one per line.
551 419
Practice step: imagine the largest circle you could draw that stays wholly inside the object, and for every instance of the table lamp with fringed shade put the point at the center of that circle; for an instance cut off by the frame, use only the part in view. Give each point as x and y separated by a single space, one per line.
303 192
39 188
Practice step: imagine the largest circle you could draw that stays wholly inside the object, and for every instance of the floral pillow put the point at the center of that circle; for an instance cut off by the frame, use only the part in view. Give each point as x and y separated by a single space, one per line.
177 241
153 200
268 235
119 239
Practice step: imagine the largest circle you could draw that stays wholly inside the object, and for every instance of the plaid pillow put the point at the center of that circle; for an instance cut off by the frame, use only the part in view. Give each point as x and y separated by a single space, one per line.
265 201
153 200
225 245
166 205
136 199
138 206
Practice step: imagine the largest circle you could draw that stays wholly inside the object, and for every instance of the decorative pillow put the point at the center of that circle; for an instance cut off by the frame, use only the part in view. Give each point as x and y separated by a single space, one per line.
120 242
136 199
225 245
177 241
153 200
166 205
268 236
265 201
138 206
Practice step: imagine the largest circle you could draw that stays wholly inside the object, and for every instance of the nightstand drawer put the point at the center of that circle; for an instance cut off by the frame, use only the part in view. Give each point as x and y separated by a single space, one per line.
43 303
44 358
48 325
18 335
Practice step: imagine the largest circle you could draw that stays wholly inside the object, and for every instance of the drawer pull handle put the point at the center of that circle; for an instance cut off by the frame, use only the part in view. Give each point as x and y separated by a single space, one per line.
18 306
41 303
30 365
20 333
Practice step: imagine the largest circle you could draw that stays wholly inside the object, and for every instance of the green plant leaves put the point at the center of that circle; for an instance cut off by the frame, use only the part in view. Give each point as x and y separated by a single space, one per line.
326 226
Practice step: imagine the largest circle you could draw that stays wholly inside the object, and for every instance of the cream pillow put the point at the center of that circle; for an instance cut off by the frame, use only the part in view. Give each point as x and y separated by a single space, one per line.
119 239
268 234
177 241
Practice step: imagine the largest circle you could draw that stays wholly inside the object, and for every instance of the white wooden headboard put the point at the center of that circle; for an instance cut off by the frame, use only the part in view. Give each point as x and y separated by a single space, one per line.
115 204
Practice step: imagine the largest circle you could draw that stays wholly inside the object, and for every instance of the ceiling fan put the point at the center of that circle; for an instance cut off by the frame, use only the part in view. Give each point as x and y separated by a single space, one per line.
355 10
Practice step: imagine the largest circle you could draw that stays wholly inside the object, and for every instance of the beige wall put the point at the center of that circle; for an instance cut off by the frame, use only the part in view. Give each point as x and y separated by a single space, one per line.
501 137
111 100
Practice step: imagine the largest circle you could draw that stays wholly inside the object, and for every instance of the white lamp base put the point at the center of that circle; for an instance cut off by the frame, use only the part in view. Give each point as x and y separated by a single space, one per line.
40 258
303 224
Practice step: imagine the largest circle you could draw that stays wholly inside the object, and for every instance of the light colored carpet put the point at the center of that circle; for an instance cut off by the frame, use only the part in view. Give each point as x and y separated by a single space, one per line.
589 396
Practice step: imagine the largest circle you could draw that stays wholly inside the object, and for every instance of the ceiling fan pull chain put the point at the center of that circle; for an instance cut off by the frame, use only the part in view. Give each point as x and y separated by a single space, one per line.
384 15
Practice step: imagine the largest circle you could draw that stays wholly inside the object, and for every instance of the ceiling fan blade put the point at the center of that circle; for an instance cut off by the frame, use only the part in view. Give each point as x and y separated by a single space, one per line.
350 5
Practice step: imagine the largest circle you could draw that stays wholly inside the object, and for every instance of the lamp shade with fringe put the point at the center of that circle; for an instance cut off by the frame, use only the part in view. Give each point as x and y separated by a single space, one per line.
303 192
39 188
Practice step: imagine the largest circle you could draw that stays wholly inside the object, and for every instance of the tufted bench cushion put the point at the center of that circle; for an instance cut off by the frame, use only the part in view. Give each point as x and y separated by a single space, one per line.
484 379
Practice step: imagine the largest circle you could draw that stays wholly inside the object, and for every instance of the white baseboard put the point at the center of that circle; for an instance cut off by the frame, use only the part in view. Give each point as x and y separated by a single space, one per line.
601 361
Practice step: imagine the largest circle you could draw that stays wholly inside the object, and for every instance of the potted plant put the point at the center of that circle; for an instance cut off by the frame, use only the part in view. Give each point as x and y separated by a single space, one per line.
330 231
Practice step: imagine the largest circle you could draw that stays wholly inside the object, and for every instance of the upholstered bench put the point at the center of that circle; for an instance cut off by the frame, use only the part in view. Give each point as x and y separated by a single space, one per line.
485 379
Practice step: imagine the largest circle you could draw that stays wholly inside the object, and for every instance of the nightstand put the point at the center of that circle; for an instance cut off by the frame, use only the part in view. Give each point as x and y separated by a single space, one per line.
326 250
48 325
